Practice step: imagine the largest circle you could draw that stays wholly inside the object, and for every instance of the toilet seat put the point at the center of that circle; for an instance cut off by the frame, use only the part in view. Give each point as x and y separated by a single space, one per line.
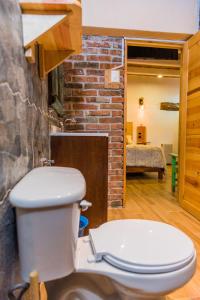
141 246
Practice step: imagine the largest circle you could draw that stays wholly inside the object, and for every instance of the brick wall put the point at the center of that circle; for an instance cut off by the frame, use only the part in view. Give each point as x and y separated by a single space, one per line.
95 108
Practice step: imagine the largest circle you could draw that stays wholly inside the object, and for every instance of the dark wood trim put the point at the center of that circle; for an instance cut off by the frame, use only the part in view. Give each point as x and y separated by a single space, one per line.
130 169
89 154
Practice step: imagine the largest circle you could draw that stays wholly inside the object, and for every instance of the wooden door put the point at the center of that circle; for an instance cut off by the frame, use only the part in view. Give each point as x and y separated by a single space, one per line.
189 164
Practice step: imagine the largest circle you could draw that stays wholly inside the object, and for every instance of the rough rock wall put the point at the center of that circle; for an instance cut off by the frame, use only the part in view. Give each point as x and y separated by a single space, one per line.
23 129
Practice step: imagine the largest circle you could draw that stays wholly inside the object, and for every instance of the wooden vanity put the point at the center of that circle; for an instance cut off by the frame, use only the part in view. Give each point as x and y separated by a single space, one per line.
88 153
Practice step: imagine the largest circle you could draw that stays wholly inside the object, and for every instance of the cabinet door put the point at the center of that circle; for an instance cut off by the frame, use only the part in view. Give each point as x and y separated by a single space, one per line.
90 156
189 194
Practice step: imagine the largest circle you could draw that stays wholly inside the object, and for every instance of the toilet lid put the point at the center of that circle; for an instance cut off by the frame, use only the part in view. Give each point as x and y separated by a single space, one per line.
142 246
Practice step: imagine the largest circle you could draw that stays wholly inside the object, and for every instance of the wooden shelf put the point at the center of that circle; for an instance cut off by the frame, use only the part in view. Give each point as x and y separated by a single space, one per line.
55 26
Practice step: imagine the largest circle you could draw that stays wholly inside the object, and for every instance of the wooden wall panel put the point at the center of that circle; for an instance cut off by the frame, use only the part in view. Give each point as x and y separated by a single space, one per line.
194 68
191 187
193 114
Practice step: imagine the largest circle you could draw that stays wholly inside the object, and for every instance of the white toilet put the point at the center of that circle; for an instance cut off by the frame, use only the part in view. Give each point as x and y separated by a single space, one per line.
125 259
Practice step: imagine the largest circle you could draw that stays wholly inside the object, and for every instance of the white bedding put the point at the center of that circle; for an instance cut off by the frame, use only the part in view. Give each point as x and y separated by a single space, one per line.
145 156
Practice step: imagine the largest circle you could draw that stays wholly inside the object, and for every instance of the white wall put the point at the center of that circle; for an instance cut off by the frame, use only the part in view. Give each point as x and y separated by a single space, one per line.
179 16
162 126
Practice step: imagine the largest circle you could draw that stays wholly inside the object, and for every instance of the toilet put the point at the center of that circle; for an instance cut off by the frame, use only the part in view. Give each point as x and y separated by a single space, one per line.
123 259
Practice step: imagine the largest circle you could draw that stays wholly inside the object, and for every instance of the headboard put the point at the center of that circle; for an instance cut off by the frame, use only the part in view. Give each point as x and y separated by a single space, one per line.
129 128
129 132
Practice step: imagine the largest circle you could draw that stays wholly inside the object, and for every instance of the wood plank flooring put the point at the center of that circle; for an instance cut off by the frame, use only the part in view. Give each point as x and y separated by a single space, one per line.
146 198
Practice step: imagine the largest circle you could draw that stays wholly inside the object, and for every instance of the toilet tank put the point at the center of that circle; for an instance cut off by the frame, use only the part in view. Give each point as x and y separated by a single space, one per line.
47 208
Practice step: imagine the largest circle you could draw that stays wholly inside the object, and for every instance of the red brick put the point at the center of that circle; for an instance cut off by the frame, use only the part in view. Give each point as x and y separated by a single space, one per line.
115 184
95 72
84 79
78 57
117 59
116 159
116 126
116 132
75 72
110 120
84 93
88 50
102 79
118 113
84 106
74 85
105 66
97 127
111 106
116 139
117 100
115 52
115 172
94 86
74 99
117 45
67 78
90 99
116 146
67 65
99 58
116 191
99 113
116 177
67 106
110 93
85 64
117 152
98 44
74 113
104 51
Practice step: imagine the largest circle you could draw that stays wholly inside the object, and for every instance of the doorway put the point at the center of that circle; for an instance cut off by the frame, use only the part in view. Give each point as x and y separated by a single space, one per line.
153 73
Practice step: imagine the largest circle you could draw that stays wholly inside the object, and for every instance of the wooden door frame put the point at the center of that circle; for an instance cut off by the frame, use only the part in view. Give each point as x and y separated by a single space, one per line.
183 47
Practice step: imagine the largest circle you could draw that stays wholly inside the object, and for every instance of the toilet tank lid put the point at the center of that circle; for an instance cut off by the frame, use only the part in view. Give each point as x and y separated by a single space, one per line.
48 187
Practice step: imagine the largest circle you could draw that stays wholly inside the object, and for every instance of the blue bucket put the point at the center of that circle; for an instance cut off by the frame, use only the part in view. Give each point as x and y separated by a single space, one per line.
82 225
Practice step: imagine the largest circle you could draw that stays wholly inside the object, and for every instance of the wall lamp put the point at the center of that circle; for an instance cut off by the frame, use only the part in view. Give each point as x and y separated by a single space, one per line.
141 103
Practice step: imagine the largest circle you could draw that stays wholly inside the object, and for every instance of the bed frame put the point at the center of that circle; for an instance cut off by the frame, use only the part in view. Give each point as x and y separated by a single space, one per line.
161 171
130 169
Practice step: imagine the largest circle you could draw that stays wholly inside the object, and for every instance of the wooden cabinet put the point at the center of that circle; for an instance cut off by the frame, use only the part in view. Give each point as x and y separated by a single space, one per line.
89 154
141 134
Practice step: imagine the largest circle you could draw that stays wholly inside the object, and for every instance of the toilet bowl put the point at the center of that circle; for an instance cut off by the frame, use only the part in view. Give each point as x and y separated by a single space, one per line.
123 259
156 261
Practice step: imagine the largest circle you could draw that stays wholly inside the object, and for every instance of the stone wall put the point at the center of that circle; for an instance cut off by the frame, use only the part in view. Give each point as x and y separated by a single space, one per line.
23 130
95 108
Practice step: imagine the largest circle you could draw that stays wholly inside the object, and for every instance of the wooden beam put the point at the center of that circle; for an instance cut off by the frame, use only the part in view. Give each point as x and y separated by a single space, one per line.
136 33
153 44
149 71
170 64
170 106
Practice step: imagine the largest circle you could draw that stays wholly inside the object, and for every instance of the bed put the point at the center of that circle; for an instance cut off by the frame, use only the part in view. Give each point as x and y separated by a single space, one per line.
143 158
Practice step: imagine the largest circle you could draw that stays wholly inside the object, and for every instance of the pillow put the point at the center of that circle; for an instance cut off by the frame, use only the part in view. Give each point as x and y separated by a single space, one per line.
129 139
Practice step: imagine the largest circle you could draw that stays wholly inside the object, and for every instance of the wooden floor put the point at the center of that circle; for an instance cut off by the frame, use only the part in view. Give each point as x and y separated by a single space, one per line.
146 198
